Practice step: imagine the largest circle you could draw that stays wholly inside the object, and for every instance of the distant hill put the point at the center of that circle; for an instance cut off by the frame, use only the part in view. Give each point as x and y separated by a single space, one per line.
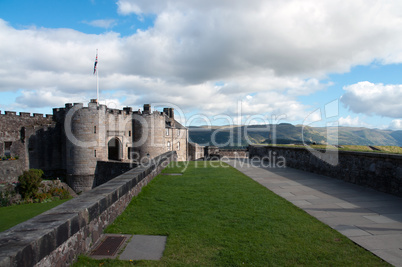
239 136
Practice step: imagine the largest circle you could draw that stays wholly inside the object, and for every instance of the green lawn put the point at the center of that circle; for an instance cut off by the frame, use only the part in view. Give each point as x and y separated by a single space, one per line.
13 215
220 217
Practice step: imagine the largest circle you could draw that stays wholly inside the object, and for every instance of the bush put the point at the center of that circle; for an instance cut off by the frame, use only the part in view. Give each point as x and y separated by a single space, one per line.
59 193
4 199
30 182
8 195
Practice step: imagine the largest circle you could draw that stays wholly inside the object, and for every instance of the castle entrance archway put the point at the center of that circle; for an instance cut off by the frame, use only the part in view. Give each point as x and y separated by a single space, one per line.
114 149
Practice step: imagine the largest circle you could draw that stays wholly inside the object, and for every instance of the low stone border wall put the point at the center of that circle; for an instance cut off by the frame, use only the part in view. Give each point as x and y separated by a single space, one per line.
58 236
233 153
382 172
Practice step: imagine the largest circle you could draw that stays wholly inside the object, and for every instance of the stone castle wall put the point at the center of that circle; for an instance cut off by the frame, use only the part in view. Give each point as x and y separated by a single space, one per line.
150 134
33 139
72 140
153 137
10 170
195 151
107 170
382 172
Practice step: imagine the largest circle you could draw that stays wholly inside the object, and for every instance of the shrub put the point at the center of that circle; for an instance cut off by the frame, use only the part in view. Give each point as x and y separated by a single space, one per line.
60 193
30 182
4 199
8 195
42 197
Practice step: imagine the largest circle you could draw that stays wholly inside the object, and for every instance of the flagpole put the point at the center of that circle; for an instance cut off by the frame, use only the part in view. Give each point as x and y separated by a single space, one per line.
97 81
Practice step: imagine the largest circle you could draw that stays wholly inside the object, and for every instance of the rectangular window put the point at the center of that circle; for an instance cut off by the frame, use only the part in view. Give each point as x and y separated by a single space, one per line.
178 146
94 129
178 132
167 131
129 133
95 153
7 148
168 145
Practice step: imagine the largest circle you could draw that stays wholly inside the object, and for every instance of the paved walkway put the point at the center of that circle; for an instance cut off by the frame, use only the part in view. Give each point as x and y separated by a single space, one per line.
369 218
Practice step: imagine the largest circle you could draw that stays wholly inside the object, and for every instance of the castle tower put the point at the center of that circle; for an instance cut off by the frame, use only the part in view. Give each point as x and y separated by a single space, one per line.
149 135
85 143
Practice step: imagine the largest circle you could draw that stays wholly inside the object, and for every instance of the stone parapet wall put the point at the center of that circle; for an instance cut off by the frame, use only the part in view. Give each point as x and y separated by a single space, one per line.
382 172
58 236
233 153
196 152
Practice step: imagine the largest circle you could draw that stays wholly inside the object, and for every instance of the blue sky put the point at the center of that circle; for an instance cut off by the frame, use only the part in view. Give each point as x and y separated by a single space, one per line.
73 14
210 60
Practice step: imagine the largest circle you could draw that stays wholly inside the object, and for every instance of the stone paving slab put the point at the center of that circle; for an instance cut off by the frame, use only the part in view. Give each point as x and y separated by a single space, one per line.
144 247
369 218
135 247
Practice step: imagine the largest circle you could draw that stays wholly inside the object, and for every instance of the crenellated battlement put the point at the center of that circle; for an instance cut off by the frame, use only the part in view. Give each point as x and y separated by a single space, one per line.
79 135
92 106
24 114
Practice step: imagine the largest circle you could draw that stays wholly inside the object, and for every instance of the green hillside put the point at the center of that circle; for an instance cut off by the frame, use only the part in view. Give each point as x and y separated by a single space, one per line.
285 133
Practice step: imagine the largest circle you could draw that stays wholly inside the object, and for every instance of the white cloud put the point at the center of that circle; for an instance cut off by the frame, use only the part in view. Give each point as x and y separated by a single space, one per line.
273 50
396 124
47 97
352 122
288 37
102 23
374 99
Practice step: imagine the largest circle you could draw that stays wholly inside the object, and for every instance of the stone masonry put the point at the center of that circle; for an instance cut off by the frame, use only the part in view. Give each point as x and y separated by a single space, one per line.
382 172
75 138
58 236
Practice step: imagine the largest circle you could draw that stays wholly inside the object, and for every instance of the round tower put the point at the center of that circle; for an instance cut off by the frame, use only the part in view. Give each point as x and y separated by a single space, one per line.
150 134
85 143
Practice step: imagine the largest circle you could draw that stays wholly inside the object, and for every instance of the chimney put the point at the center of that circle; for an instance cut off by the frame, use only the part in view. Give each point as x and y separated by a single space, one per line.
171 113
147 108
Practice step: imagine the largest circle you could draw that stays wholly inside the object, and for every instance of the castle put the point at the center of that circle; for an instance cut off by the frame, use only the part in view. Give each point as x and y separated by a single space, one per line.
72 140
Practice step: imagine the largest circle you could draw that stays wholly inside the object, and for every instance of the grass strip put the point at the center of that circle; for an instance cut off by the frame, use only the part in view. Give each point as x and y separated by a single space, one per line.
220 217
13 215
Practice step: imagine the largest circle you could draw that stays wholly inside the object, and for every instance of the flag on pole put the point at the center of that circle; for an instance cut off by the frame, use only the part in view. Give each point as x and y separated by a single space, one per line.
96 61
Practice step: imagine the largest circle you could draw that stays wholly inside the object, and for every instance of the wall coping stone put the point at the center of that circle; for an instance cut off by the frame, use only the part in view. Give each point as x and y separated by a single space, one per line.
380 171
357 153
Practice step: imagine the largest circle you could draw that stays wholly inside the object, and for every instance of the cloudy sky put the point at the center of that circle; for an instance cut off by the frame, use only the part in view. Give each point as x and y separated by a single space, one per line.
267 59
